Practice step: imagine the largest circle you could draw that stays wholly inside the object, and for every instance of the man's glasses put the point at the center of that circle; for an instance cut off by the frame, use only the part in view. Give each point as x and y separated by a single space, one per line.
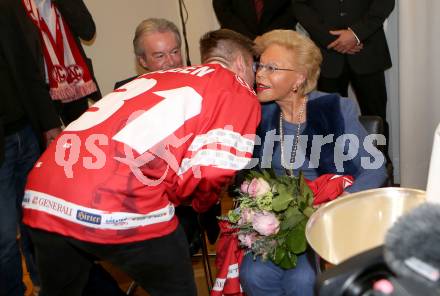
269 68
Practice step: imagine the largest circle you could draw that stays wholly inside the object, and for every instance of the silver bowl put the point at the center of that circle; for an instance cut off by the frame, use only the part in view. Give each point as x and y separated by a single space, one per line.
358 222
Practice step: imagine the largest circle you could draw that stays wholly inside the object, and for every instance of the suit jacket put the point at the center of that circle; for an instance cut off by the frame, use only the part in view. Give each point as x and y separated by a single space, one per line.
240 16
364 17
20 47
122 82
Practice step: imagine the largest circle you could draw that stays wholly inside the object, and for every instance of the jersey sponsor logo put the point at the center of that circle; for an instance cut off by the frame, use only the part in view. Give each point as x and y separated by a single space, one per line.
88 217
154 216
116 221
93 218
49 204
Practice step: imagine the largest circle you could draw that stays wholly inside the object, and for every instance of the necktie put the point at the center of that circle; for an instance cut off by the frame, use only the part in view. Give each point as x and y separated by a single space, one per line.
259 5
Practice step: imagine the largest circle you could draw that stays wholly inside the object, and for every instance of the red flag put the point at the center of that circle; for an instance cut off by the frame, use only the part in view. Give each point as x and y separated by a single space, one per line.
328 187
228 260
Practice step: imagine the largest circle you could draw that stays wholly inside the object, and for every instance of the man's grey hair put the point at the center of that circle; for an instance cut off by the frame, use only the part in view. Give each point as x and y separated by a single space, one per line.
153 25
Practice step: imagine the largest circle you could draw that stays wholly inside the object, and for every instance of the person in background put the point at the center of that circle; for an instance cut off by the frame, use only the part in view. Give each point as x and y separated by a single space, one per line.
157 46
254 17
286 77
68 71
165 137
28 121
352 41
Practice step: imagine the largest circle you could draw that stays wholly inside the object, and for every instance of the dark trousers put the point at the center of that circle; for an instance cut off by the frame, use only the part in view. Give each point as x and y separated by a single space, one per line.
21 152
162 266
370 91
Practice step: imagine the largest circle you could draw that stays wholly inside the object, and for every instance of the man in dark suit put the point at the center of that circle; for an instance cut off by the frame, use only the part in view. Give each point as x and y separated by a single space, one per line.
157 46
27 121
254 17
352 41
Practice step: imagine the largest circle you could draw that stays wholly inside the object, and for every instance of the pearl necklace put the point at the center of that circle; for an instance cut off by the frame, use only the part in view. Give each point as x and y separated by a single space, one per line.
289 171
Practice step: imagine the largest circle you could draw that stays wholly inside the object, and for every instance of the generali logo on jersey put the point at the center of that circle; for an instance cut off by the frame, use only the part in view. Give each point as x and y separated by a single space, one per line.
48 204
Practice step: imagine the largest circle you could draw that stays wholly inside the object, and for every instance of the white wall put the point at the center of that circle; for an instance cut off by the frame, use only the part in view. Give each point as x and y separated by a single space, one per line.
201 20
112 50
419 46
392 83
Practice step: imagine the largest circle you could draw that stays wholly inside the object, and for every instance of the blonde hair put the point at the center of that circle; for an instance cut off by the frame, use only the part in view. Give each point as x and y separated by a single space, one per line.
308 57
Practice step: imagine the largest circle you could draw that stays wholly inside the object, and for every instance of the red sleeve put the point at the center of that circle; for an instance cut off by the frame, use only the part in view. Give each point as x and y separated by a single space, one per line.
224 144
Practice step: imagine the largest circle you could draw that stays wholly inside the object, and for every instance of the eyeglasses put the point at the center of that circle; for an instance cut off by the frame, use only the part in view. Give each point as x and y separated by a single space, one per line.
270 68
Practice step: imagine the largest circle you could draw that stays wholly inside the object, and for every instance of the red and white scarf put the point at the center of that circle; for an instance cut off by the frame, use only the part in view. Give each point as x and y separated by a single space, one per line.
66 71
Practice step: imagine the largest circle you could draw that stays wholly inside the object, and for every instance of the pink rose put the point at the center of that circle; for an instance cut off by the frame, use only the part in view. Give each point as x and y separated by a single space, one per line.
246 216
265 223
257 187
244 186
247 239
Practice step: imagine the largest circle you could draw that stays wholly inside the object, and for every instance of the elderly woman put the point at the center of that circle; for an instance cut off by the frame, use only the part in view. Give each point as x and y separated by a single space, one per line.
302 129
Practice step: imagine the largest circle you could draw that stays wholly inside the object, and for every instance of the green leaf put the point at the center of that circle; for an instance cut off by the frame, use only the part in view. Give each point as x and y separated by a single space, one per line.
286 180
278 255
289 261
266 175
302 205
234 215
272 173
253 174
309 211
283 199
264 202
296 239
292 217
305 191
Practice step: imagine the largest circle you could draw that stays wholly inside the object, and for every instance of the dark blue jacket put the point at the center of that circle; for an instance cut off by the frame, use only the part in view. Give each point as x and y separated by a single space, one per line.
327 115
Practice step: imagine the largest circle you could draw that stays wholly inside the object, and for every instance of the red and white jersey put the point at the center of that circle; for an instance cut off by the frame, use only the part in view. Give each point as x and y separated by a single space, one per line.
115 174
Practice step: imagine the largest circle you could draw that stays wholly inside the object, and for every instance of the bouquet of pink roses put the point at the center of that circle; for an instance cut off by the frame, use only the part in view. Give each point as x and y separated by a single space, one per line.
271 216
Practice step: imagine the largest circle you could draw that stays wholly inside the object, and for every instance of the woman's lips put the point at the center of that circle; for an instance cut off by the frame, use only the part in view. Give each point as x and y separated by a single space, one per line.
262 87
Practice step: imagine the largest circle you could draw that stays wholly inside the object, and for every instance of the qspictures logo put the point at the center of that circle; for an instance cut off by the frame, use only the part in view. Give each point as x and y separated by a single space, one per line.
346 148
220 148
